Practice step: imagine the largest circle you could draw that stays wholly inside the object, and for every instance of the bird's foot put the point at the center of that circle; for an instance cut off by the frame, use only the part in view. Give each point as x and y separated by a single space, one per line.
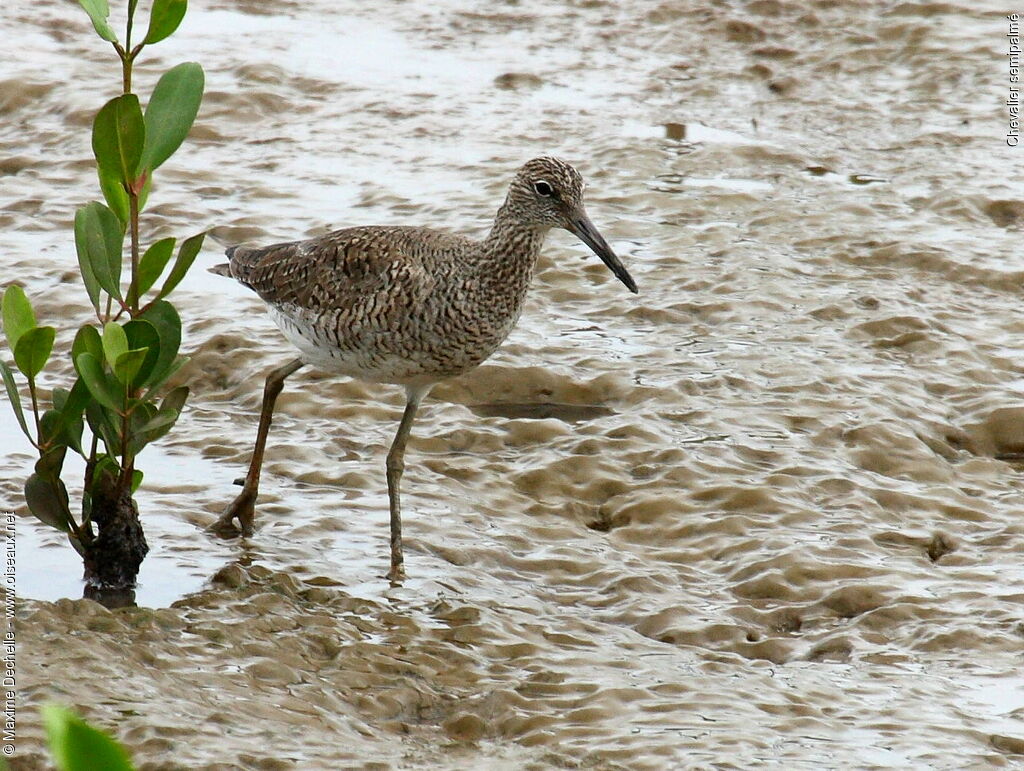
396 574
243 509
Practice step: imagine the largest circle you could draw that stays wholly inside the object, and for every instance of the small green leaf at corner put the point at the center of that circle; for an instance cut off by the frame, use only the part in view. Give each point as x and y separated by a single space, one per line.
164 19
171 111
137 476
17 314
77 746
153 263
98 11
118 136
33 351
186 256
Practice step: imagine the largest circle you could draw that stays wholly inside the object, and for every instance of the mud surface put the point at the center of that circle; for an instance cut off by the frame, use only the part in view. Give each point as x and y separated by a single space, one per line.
767 512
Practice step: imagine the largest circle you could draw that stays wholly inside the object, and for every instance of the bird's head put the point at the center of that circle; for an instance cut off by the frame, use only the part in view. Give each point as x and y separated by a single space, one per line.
548 192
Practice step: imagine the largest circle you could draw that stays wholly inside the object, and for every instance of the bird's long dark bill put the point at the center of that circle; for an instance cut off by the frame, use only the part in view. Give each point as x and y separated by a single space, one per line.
583 229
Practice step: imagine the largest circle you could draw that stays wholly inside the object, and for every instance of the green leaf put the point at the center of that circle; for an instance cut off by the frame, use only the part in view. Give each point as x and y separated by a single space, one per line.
33 350
76 544
115 342
76 401
164 19
127 365
105 424
152 430
98 11
163 419
153 263
98 238
59 397
17 314
73 435
103 391
146 188
165 320
71 415
171 110
51 462
50 427
58 424
186 256
47 499
153 423
115 194
137 436
106 465
87 340
84 248
57 429
175 399
118 136
12 394
77 746
178 363
136 479
142 411
142 334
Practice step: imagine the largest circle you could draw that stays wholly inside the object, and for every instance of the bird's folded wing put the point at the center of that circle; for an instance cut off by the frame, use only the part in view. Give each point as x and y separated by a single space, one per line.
339 270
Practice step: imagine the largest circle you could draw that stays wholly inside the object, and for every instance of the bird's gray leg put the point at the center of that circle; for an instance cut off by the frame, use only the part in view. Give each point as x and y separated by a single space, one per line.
395 467
243 507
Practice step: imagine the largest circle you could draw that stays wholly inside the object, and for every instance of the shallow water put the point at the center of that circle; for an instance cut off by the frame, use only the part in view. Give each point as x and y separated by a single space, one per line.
768 512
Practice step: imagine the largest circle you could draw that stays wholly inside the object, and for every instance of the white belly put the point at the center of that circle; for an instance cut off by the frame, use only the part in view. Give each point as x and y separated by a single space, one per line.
363 363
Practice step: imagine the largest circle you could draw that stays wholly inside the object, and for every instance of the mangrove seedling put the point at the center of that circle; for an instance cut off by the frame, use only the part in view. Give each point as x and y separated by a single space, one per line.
125 354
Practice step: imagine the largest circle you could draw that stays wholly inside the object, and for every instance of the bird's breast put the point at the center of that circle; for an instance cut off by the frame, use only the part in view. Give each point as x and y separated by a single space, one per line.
425 340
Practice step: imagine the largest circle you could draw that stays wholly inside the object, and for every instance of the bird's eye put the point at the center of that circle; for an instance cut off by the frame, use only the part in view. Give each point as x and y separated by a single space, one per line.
543 188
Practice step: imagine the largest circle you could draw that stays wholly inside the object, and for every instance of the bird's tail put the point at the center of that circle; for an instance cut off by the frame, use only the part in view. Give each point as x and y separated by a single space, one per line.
224 269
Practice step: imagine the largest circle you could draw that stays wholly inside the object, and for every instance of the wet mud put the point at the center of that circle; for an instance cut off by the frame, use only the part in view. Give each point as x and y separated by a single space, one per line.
768 512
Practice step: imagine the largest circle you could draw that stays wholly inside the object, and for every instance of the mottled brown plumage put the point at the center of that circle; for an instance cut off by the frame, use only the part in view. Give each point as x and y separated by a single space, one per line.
407 305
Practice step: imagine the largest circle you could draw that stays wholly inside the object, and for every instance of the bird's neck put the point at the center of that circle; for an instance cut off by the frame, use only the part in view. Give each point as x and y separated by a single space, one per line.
511 250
